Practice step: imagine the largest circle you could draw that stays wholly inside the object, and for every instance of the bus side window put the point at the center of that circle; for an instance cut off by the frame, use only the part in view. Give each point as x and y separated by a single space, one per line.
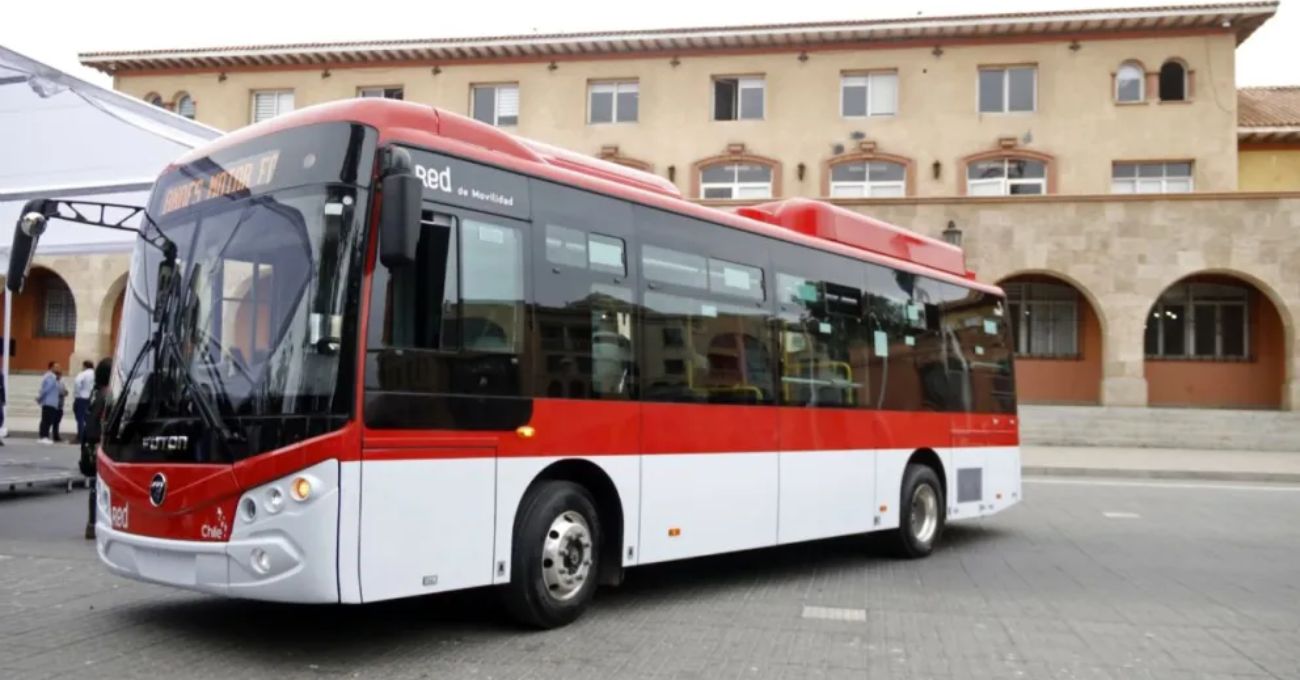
824 343
898 328
703 342
585 316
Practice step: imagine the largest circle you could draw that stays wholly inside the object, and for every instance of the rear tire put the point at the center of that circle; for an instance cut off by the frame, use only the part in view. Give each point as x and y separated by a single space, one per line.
922 509
555 556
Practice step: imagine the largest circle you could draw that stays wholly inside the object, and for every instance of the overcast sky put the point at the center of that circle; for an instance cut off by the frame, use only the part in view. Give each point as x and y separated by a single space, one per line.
54 31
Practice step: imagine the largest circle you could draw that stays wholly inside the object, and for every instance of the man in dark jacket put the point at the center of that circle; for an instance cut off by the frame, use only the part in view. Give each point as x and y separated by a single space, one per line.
98 410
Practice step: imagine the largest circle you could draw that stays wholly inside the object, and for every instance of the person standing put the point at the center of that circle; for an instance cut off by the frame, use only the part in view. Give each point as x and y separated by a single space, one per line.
93 433
82 387
48 398
63 398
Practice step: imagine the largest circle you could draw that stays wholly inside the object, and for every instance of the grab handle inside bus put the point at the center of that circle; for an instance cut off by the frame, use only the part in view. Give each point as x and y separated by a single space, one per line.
32 221
399 215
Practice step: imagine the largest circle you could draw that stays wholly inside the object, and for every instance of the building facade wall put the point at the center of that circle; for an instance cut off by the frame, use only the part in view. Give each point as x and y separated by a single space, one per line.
1123 253
1269 167
1077 121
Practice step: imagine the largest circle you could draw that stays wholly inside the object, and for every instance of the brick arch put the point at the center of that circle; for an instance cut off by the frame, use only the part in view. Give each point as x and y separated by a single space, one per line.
1047 159
737 154
1260 381
33 349
1065 380
909 168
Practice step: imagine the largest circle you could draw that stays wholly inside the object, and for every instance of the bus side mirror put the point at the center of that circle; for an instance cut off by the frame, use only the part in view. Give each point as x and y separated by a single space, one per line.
399 219
27 232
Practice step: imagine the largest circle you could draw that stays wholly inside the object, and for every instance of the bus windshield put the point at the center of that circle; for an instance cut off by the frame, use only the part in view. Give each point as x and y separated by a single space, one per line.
242 345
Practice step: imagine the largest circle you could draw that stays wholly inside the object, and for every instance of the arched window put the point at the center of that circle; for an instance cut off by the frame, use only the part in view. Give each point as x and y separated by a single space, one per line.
736 180
155 99
58 310
1008 176
1130 83
1173 82
185 105
868 179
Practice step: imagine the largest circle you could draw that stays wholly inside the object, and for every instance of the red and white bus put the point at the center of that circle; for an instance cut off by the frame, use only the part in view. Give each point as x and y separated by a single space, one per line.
372 350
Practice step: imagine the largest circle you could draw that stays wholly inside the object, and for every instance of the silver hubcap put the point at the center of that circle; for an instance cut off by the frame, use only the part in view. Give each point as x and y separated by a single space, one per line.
925 513
566 555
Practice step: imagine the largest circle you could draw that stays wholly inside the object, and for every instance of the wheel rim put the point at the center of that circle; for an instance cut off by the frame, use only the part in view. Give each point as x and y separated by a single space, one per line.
566 555
925 513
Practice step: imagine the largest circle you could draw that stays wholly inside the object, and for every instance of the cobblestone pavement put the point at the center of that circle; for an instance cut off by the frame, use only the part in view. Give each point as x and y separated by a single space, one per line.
1086 579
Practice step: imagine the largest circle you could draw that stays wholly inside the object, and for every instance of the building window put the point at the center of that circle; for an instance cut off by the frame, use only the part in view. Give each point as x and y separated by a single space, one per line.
613 102
58 310
868 179
738 98
1006 177
1151 178
1008 90
1130 83
155 99
1199 321
496 104
1173 82
381 93
1044 319
736 180
268 104
870 94
185 105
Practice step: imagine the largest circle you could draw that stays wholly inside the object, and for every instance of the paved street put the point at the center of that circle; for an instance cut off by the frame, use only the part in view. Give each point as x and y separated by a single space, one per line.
1086 579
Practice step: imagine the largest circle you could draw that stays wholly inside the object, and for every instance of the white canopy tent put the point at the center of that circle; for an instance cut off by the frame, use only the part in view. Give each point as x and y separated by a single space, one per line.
65 138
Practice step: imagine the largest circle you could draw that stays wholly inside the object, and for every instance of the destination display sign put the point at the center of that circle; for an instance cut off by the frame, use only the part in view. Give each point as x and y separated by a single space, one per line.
244 174
471 185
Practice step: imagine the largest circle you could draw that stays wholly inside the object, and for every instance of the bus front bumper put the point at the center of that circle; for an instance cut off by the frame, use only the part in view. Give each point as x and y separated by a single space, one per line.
290 555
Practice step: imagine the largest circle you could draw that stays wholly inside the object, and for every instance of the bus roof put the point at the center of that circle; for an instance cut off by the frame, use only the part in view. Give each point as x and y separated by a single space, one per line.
806 221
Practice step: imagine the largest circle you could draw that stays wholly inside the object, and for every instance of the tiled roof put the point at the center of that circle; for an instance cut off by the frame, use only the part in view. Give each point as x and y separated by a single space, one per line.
1242 18
1268 107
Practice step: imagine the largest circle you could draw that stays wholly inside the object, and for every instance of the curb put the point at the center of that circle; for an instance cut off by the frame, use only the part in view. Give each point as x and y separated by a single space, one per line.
1202 475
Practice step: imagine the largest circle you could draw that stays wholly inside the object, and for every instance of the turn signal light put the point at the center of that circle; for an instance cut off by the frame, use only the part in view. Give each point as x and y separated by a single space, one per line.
525 431
674 532
301 489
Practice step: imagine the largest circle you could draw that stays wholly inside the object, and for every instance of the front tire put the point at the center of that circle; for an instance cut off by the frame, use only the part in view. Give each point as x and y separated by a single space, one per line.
922 509
556 555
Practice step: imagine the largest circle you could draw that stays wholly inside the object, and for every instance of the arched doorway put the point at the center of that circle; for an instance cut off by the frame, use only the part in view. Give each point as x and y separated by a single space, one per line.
44 322
1214 340
1057 338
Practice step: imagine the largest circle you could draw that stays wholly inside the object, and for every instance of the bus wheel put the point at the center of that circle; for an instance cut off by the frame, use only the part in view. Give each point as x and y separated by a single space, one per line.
921 512
556 555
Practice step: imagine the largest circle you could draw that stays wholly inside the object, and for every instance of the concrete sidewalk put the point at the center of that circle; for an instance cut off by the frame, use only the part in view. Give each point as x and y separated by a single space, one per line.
1240 466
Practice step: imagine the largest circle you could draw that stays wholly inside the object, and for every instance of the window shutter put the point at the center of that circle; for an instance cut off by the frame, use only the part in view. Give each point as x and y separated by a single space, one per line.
263 106
884 94
507 101
284 103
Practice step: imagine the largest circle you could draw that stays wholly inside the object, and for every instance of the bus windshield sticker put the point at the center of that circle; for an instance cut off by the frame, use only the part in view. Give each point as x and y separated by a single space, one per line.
913 312
909 340
490 234
825 328
735 278
990 327
808 292
708 310
979 351
882 344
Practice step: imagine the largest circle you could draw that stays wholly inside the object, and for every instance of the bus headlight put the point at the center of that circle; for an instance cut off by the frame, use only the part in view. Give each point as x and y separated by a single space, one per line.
259 560
274 500
301 489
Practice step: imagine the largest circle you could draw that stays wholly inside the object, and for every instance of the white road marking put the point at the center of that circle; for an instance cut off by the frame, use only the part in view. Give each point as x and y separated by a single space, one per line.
834 613
1162 484
1121 515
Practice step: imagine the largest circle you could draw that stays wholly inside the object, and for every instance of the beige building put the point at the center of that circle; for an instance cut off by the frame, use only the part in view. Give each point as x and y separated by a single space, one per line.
1142 212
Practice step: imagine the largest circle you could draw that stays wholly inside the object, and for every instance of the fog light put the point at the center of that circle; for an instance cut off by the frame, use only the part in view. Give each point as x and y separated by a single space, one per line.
260 560
301 489
249 509
274 500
